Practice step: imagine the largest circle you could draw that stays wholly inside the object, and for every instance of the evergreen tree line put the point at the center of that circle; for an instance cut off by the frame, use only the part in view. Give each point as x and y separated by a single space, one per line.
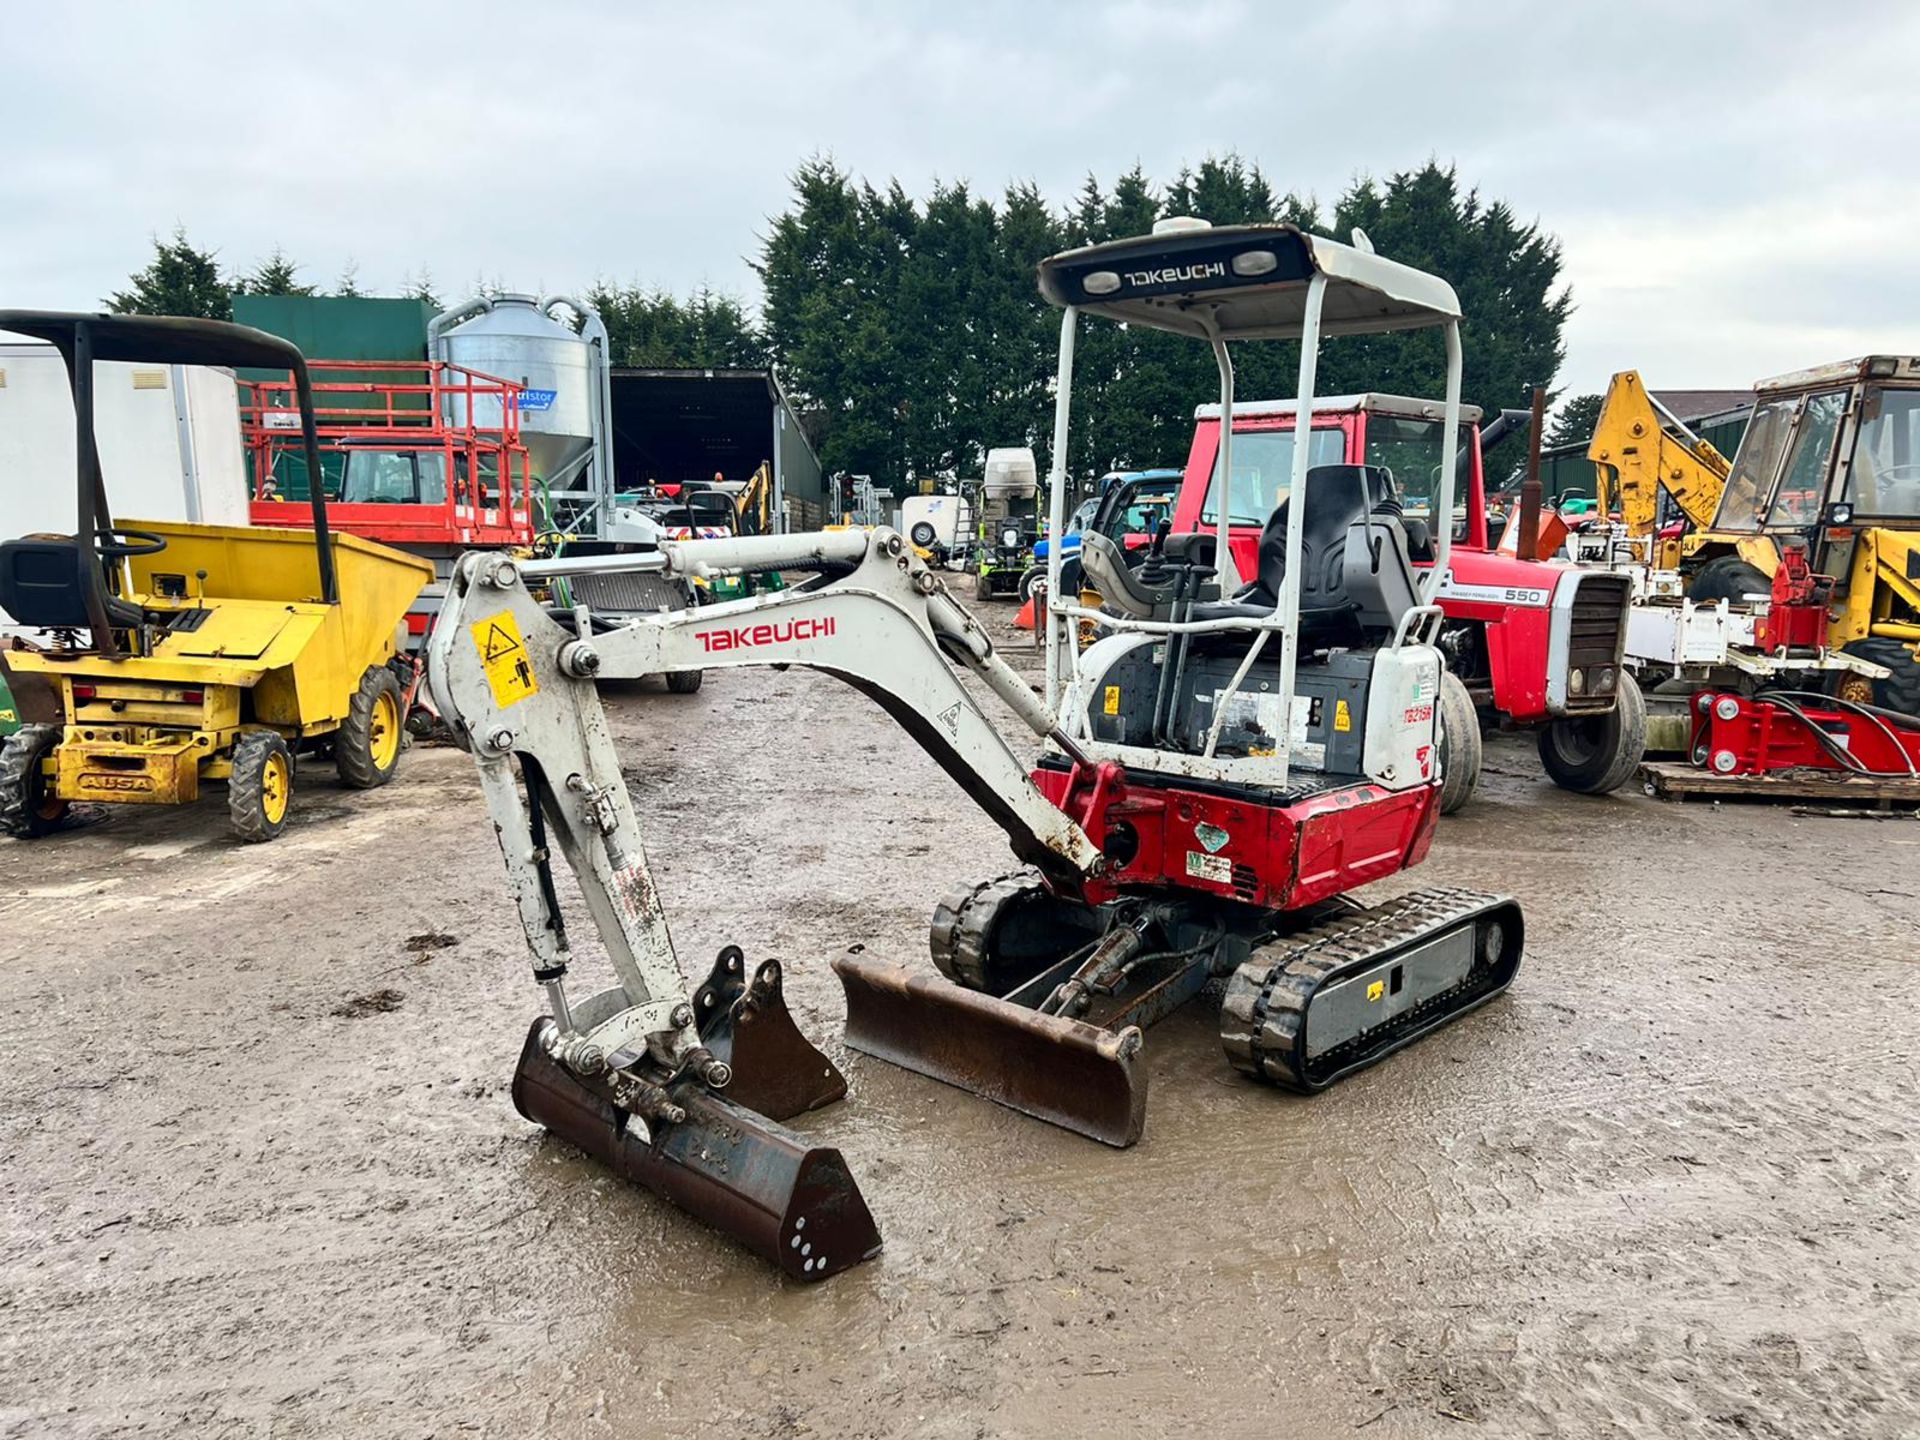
911 333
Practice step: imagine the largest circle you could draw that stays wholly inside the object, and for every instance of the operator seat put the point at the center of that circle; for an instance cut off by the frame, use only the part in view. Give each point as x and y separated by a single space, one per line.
1356 581
43 586
1145 592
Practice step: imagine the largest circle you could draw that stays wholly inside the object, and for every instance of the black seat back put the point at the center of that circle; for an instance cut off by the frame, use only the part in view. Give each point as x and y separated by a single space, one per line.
43 585
1355 574
41 582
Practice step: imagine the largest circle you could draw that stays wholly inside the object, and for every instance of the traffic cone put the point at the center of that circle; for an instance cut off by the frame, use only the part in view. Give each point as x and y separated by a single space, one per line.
1024 620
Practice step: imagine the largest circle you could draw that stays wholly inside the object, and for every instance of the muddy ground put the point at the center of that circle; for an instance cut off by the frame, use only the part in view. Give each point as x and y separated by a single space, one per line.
261 1175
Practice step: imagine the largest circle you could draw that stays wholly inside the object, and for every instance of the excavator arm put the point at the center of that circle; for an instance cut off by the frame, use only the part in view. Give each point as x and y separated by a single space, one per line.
673 1086
1636 455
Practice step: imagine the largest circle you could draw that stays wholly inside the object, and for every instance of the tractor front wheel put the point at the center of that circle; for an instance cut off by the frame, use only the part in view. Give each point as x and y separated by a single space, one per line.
367 749
28 808
1460 745
260 789
1597 754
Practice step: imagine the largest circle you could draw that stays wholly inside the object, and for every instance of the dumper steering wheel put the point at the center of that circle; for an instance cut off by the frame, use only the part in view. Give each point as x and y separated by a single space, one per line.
120 544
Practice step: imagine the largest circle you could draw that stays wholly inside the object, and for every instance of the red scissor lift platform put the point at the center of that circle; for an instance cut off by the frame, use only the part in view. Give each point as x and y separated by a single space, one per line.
431 455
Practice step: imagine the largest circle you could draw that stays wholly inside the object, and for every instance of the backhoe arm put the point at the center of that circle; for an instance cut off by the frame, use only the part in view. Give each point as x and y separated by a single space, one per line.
1636 456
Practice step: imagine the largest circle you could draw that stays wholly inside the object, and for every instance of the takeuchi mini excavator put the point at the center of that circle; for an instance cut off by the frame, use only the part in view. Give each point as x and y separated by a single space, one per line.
1216 774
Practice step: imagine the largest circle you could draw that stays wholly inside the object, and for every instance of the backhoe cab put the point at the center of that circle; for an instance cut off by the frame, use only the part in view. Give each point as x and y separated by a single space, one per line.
1237 753
183 653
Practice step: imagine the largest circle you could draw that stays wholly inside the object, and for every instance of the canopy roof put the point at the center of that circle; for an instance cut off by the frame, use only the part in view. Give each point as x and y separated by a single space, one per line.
157 339
1244 282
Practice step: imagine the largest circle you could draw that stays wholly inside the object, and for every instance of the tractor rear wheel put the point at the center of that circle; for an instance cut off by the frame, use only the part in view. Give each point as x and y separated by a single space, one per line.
367 747
260 789
1460 746
685 682
1899 691
1597 754
27 808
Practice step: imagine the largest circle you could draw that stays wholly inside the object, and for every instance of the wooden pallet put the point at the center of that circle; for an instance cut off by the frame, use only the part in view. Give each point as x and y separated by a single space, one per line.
1672 780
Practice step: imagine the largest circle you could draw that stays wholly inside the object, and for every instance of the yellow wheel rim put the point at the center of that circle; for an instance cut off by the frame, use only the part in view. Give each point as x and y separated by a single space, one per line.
1857 688
383 736
276 788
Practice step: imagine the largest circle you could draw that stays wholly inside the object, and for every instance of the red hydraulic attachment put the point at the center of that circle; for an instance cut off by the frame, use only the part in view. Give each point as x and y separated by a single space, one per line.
442 465
1798 730
1796 618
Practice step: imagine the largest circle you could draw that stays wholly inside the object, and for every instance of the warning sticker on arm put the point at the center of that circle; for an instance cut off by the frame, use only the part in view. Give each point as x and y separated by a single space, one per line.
503 655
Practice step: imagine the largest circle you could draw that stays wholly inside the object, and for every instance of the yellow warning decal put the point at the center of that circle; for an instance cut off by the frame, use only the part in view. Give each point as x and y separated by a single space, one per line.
1342 716
1376 990
503 655
1112 705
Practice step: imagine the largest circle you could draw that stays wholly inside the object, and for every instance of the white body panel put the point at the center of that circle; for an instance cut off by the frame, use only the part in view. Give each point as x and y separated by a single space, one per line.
942 512
1403 717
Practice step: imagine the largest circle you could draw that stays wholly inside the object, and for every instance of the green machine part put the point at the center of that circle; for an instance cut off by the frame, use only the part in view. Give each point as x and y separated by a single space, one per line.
9 712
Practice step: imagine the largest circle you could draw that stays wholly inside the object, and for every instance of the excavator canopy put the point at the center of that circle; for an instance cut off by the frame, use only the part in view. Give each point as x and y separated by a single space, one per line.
1244 282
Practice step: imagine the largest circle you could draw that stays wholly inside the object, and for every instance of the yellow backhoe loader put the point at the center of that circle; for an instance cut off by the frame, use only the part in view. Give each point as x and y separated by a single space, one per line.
182 653
1830 461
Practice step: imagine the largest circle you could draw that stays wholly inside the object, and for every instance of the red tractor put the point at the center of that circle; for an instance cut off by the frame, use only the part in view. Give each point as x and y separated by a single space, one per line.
1531 644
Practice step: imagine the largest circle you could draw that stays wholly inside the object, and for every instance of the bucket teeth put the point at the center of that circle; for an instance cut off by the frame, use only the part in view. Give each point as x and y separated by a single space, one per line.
1079 1076
788 1201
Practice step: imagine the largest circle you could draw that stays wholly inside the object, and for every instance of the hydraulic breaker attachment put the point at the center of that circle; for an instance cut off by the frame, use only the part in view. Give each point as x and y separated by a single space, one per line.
788 1201
776 1070
1086 1078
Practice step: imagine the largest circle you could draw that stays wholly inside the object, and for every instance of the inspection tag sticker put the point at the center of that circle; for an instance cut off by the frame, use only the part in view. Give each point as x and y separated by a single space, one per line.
1111 705
1217 868
1377 990
503 655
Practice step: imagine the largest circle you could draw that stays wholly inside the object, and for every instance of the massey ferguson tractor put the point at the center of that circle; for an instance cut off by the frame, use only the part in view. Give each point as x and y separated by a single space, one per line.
1529 644
1246 745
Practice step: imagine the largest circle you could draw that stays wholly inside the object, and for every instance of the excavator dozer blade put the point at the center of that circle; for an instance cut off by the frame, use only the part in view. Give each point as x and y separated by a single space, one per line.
788 1201
1075 1075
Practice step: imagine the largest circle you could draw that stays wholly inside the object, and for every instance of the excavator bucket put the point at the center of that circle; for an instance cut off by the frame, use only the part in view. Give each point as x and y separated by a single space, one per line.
1079 1076
788 1201
776 1070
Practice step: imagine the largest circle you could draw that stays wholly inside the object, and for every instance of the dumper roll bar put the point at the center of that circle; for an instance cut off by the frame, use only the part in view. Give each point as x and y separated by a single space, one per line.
81 339
1219 285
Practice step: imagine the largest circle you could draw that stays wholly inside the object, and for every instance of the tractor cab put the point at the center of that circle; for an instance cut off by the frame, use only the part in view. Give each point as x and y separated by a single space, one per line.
181 652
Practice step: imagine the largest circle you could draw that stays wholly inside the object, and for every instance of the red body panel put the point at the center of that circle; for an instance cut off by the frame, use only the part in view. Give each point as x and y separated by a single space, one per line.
1276 857
1508 597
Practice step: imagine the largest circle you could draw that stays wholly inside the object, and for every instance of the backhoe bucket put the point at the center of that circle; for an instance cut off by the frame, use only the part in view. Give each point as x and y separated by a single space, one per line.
776 1070
1079 1076
788 1201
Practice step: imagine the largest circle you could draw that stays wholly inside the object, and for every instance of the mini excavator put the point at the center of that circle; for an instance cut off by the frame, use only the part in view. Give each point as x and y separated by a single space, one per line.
1216 772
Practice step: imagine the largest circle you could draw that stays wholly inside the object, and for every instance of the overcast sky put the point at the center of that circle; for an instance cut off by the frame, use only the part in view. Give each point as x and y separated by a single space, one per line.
1735 184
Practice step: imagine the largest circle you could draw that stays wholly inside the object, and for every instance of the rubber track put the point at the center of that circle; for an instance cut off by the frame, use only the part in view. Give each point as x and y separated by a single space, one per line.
958 938
1266 1003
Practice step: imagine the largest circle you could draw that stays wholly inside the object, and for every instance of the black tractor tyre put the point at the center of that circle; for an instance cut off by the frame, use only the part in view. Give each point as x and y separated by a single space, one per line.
367 748
26 810
1029 580
685 682
1900 690
260 789
923 534
1728 577
1460 744
1597 754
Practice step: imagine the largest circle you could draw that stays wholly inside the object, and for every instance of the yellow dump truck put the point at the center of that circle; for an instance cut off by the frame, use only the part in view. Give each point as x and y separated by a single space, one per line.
183 653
